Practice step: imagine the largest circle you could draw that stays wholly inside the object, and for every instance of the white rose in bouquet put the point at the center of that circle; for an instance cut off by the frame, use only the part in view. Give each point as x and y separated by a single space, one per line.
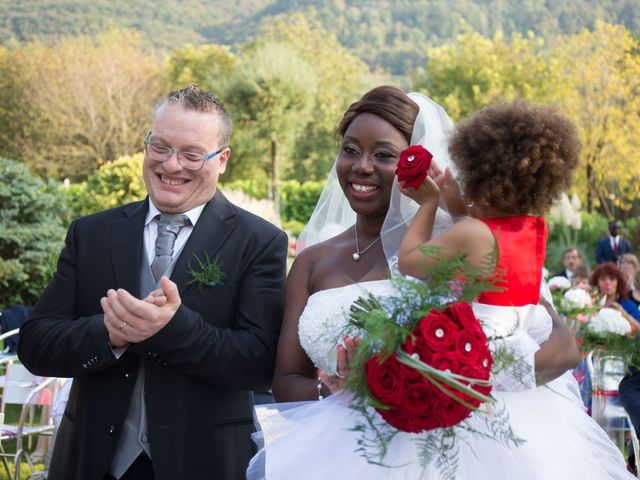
576 298
609 320
559 283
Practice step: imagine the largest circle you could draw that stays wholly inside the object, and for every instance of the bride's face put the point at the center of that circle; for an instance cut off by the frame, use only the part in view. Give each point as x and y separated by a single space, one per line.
367 163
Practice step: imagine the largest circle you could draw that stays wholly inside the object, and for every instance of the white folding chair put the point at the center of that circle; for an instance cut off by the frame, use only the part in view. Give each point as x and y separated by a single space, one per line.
5 355
28 390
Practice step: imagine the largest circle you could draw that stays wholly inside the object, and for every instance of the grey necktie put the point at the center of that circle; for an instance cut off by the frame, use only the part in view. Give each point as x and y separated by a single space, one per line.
169 225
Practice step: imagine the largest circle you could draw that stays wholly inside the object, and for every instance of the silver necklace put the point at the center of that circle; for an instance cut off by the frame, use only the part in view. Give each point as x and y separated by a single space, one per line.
358 253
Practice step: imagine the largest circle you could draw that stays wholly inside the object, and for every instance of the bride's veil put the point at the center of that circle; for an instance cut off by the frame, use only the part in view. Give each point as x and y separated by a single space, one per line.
333 214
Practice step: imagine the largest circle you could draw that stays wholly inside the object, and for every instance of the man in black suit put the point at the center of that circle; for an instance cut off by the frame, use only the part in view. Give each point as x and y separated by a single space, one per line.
612 247
166 322
572 259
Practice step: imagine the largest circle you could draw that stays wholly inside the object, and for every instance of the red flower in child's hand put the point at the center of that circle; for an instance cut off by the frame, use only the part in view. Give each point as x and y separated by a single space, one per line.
413 165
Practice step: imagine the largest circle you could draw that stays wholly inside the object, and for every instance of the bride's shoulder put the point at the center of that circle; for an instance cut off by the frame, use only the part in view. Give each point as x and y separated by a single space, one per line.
321 250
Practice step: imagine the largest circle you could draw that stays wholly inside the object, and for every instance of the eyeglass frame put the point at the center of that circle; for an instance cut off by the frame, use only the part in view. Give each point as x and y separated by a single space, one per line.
204 157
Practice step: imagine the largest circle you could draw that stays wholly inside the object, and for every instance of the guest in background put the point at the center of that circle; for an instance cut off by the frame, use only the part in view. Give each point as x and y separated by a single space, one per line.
580 277
631 268
612 286
629 388
611 248
572 259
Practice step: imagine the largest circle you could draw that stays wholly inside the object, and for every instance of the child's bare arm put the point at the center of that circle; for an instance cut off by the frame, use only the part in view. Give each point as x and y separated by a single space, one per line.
470 237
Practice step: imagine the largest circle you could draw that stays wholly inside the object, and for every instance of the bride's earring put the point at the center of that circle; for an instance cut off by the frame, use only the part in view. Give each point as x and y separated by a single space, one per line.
470 204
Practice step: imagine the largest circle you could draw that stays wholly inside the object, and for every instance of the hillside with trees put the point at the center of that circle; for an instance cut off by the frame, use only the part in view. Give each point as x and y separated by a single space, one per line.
389 35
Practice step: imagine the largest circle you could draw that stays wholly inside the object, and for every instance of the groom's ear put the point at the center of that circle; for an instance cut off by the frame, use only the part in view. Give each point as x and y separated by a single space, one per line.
223 158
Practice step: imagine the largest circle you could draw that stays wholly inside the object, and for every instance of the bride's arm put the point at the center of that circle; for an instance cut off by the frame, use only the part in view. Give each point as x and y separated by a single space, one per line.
559 353
295 377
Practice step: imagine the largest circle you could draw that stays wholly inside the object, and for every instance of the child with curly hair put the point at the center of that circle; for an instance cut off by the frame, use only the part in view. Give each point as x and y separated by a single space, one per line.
514 160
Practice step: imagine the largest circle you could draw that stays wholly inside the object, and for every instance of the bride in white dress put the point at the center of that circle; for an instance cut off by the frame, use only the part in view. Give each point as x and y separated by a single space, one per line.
345 259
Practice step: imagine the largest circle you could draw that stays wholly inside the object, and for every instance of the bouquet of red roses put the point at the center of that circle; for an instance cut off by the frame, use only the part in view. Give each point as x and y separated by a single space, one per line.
424 364
438 377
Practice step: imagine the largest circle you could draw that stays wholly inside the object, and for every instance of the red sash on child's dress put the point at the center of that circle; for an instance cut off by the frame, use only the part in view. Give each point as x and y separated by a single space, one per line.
521 243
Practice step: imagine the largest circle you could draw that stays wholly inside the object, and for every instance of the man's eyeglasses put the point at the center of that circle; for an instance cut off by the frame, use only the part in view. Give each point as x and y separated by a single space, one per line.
188 160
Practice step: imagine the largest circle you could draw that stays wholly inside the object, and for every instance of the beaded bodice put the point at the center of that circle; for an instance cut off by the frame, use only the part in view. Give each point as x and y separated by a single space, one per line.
324 319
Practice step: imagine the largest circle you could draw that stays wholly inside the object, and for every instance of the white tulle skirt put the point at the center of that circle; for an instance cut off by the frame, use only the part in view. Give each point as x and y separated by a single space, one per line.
315 440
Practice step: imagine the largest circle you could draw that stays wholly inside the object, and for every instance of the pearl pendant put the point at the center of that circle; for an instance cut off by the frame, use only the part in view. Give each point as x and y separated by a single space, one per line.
355 256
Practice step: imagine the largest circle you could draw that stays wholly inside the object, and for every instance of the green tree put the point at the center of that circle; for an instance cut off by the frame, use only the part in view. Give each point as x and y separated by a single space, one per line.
593 77
475 71
32 226
209 66
113 184
80 102
340 80
271 96
602 95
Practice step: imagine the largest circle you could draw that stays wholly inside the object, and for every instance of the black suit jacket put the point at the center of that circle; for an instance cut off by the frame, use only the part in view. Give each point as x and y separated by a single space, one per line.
604 251
562 273
199 368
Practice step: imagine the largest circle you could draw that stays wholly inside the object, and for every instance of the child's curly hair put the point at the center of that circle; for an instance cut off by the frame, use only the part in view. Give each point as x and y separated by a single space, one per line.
515 157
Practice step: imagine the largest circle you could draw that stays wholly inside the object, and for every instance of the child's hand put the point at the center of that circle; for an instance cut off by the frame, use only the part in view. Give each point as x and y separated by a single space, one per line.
427 191
450 194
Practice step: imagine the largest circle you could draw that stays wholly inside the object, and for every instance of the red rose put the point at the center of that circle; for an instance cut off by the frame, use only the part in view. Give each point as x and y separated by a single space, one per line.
411 375
437 331
453 413
385 381
446 361
416 345
397 418
485 361
427 421
476 372
470 346
412 423
413 165
417 397
462 314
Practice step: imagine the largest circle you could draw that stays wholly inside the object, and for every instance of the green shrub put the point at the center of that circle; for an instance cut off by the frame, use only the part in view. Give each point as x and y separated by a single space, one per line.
256 188
33 217
293 227
113 184
297 200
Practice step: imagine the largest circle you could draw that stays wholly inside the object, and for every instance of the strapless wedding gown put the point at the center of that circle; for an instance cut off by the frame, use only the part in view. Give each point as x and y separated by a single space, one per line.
316 440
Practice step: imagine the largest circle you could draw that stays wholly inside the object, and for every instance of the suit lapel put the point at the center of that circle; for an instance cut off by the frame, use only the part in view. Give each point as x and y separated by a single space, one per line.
126 238
209 234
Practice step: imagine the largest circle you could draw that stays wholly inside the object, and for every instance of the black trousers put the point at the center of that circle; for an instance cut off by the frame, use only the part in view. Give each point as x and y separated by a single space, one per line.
630 397
629 390
140 469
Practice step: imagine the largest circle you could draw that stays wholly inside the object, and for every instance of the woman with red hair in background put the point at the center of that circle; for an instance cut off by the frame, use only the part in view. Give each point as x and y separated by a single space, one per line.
612 285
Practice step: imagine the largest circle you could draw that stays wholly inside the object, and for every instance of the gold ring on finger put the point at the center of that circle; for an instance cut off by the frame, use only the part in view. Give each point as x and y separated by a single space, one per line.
122 325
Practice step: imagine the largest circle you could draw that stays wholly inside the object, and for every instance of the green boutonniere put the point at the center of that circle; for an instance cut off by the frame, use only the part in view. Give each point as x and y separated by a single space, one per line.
209 271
